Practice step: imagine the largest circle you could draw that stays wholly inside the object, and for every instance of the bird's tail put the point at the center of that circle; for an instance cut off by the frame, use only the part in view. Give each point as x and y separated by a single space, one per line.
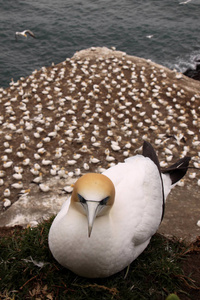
177 170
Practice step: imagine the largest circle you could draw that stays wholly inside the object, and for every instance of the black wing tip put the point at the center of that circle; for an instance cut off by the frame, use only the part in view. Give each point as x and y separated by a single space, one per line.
31 33
147 145
148 151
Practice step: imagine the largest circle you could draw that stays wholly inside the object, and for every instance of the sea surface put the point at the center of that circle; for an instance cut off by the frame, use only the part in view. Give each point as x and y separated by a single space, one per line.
165 31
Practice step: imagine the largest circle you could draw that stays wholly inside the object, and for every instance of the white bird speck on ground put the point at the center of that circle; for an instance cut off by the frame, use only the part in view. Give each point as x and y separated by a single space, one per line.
6 202
44 187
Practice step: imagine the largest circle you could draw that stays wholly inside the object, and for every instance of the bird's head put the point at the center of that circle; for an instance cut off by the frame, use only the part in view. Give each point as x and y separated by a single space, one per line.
93 195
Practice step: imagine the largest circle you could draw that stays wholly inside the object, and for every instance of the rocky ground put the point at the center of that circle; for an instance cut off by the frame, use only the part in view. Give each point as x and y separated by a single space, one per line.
87 113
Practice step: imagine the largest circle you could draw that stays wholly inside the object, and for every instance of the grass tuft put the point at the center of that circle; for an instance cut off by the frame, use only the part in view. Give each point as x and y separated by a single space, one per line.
28 271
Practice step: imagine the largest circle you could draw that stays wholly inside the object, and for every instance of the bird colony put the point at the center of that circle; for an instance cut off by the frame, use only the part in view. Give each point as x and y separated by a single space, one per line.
90 112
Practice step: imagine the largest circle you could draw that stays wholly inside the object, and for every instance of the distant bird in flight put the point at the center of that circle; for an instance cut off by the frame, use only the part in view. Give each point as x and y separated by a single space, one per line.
185 2
24 33
149 36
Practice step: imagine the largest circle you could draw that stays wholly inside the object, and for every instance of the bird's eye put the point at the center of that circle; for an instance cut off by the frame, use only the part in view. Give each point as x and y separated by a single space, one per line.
104 201
81 199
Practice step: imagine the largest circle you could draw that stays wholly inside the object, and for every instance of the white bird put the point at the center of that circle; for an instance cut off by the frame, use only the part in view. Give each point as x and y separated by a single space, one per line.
94 160
26 161
17 176
71 162
17 185
7 164
7 202
68 188
76 155
38 179
110 158
18 169
46 162
4 157
6 193
86 166
77 172
149 36
115 146
24 33
111 217
185 2
53 171
44 187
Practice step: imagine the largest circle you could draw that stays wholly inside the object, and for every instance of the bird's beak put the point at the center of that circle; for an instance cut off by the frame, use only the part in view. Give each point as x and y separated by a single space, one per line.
25 35
92 208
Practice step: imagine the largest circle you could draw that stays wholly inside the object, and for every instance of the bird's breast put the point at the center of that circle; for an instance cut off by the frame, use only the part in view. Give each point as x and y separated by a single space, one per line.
99 255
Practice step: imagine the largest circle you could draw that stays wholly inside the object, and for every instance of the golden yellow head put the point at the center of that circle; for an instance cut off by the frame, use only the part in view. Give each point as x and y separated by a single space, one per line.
93 195
94 187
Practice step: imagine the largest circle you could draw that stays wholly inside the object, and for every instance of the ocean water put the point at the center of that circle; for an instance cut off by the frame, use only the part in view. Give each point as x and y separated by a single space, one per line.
63 27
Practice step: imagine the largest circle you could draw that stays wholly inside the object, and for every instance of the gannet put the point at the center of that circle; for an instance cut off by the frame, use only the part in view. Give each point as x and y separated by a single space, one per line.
111 217
149 36
185 2
24 33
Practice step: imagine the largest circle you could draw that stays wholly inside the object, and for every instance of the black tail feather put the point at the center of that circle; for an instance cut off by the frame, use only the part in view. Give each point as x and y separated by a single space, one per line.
177 170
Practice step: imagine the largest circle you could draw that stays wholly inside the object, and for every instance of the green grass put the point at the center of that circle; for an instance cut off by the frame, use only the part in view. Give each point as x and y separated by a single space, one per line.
154 275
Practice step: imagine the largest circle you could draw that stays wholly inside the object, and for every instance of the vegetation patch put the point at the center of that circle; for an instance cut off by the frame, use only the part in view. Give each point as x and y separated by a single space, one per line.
28 271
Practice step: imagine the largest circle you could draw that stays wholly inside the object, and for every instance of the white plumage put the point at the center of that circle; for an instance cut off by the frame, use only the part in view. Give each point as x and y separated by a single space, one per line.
111 217
24 33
